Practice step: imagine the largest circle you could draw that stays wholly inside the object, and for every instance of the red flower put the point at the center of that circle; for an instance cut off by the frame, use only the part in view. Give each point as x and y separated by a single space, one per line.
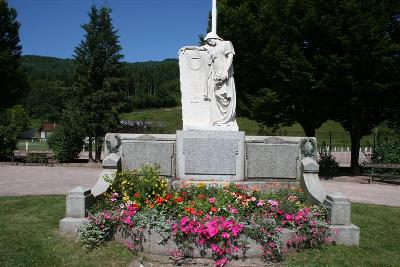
213 209
199 213
179 200
168 197
136 195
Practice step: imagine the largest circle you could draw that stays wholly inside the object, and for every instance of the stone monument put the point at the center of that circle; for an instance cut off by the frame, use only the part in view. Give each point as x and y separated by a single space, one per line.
210 146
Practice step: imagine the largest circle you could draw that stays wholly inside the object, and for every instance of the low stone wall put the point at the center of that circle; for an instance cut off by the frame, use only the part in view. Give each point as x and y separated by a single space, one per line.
151 244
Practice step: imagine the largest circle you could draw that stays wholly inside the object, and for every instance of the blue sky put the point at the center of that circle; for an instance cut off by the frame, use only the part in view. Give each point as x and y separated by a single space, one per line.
148 29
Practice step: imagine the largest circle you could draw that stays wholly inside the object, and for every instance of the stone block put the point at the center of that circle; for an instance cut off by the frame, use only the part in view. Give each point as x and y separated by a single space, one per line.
272 160
102 185
70 225
136 153
348 235
78 200
210 155
309 165
112 161
340 209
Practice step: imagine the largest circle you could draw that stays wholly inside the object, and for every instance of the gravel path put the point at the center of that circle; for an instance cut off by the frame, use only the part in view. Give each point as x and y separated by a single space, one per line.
41 180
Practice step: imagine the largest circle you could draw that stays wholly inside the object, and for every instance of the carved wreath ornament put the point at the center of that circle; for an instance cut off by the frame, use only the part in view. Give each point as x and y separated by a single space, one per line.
113 142
308 147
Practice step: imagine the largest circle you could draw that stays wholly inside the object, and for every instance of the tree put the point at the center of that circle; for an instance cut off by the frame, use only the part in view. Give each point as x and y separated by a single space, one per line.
13 122
308 61
284 52
67 139
98 73
12 79
369 67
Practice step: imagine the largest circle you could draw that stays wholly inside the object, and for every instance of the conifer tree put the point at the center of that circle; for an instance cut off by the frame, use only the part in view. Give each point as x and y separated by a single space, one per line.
98 74
12 79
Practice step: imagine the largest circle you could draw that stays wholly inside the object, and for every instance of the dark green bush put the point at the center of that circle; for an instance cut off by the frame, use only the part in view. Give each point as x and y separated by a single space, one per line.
387 148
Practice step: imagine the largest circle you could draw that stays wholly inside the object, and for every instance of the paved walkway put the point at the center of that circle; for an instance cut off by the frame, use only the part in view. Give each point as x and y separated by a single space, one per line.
38 180
380 194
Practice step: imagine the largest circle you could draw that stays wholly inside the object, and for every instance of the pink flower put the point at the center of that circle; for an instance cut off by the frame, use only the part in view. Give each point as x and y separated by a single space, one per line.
225 235
273 203
253 199
221 262
289 217
260 203
127 220
233 211
211 200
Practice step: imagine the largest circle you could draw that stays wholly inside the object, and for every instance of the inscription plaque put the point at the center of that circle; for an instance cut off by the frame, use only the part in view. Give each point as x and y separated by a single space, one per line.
272 160
137 153
211 156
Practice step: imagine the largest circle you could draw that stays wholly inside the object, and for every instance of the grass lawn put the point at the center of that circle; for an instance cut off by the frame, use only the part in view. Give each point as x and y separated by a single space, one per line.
379 241
172 117
30 237
33 146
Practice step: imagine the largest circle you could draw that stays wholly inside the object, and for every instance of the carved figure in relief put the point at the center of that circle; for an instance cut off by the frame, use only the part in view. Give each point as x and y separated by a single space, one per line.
220 85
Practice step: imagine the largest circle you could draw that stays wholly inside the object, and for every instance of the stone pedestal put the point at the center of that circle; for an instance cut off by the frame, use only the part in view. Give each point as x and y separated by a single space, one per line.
344 232
78 200
210 155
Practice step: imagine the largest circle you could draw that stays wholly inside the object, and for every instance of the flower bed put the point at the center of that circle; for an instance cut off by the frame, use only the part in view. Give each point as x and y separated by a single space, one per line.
219 222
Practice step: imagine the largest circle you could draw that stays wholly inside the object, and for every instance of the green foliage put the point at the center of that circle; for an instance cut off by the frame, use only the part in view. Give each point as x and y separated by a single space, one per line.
146 182
12 78
387 148
47 99
327 163
13 122
97 231
67 140
311 60
98 76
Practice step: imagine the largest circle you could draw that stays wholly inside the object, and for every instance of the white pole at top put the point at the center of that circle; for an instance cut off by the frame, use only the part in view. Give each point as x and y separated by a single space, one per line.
214 16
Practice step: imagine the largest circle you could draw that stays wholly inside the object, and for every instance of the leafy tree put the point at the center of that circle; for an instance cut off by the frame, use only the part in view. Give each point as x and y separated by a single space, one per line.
98 73
284 54
67 139
13 122
12 79
308 61
369 67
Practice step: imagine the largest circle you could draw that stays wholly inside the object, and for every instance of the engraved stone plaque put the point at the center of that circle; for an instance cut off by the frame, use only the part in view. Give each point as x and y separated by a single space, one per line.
272 160
213 156
138 153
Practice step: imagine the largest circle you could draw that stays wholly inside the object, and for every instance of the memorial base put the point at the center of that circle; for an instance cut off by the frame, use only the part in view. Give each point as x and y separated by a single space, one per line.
210 155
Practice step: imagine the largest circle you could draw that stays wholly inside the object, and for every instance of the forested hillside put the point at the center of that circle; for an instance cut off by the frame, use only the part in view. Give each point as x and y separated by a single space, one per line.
145 85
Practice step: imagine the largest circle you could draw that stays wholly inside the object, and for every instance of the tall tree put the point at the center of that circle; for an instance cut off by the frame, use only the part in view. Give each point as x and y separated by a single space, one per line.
369 67
98 73
12 79
310 60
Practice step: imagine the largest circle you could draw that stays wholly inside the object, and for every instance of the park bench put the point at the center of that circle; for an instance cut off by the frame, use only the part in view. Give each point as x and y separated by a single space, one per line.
386 177
18 157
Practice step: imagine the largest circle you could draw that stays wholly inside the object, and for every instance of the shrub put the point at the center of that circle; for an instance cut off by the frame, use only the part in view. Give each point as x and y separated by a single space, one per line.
387 148
13 122
327 163
65 145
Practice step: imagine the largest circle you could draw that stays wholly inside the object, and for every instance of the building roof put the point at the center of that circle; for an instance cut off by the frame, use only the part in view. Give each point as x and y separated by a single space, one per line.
28 134
47 127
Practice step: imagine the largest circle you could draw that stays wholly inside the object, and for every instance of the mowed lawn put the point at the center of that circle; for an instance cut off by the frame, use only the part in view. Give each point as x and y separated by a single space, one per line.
29 237
172 117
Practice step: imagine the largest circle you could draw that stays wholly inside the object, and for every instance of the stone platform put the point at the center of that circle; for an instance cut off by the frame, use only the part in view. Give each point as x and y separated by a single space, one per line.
216 155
